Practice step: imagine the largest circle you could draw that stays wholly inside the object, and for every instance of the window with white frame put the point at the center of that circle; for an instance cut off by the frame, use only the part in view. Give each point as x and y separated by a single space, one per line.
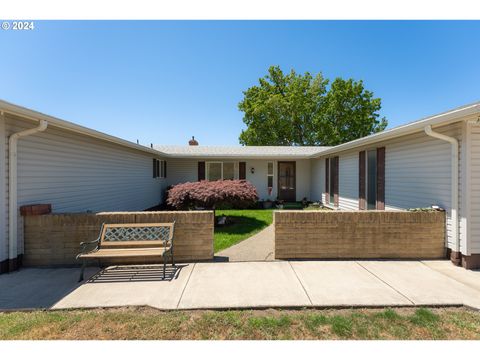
270 175
221 170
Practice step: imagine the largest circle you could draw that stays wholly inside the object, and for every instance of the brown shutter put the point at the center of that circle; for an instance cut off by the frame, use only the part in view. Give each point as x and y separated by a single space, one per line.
154 167
361 180
164 168
380 178
242 170
201 170
327 181
335 181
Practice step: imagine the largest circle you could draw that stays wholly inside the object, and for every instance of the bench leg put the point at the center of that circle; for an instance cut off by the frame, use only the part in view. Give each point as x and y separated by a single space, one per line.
164 265
82 271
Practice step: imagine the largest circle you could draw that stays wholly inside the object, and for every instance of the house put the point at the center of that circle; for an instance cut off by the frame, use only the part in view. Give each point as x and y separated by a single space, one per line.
73 168
433 161
281 172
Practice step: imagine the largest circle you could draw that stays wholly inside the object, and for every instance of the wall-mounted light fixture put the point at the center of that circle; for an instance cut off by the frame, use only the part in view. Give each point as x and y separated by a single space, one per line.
252 170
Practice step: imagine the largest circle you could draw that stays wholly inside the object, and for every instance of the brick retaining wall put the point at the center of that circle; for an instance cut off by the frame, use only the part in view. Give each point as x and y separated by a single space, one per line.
54 239
360 234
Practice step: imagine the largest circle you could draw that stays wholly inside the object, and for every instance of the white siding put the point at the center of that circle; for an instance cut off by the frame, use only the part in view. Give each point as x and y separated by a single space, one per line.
180 171
317 179
303 179
3 194
259 178
77 173
184 170
417 174
348 181
474 193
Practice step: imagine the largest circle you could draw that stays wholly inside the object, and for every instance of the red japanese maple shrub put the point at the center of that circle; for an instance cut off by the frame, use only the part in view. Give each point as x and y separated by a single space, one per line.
212 194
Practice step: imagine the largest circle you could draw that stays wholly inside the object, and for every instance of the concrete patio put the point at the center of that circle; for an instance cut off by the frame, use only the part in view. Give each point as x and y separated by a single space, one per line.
247 285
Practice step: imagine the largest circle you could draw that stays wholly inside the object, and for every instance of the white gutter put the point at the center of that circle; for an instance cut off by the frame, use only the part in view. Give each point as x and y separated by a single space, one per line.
12 185
454 180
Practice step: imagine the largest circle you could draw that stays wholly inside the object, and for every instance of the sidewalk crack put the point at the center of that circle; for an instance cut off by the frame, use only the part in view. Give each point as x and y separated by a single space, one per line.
383 281
183 291
301 284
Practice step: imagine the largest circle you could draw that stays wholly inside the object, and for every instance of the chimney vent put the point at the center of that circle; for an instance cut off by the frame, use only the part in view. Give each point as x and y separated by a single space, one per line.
192 141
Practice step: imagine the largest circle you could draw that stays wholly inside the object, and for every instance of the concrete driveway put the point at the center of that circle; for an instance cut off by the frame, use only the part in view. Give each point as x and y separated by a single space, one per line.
248 285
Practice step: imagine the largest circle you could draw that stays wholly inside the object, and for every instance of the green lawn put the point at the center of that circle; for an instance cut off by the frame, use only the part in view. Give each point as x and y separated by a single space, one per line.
245 224
148 323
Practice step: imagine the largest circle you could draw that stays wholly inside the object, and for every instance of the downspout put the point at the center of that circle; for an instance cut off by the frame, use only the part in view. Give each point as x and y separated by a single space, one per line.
454 181
12 189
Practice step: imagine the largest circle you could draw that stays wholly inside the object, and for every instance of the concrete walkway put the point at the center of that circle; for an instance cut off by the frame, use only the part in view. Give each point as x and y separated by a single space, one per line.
38 288
258 247
248 285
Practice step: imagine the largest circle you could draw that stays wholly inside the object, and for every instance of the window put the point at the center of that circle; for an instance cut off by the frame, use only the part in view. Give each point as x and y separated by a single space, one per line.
332 180
159 169
214 171
228 171
371 179
270 175
218 170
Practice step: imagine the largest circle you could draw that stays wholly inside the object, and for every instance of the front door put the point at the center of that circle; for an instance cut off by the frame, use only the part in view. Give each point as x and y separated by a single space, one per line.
286 180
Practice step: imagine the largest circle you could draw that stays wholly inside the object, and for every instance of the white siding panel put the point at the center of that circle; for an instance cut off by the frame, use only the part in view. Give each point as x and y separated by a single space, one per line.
317 179
180 171
417 174
348 181
3 194
474 220
303 179
259 178
77 173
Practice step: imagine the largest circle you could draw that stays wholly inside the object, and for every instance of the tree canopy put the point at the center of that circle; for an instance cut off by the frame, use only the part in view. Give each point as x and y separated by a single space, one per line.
296 109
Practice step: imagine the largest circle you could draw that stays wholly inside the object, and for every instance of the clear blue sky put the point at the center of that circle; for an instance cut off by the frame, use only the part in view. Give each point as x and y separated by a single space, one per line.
163 81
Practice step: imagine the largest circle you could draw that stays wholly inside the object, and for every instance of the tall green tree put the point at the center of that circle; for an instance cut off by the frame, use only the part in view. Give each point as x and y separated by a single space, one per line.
296 109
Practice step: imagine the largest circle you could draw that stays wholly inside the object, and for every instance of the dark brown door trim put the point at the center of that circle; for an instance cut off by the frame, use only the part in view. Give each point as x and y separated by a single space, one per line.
292 196
242 170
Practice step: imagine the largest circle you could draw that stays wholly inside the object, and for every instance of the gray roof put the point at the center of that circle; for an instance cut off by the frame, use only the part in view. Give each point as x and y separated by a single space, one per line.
202 151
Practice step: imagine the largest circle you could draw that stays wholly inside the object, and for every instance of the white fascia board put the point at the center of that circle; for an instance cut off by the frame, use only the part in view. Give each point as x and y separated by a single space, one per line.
63 124
238 157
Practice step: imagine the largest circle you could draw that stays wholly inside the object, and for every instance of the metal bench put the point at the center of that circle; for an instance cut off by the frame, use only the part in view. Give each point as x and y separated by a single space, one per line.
117 241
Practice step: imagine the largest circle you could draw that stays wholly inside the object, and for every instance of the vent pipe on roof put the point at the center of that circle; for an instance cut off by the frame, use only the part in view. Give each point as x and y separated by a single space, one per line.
12 191
192 141
454 181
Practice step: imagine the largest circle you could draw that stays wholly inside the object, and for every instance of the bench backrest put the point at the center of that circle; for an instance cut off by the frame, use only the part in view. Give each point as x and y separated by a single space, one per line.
150 234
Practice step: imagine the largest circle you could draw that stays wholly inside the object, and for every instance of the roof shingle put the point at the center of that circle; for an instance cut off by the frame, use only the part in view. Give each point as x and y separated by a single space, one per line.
240 151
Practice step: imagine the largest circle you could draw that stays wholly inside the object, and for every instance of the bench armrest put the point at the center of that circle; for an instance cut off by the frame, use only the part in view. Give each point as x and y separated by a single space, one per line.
85 244
170 237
